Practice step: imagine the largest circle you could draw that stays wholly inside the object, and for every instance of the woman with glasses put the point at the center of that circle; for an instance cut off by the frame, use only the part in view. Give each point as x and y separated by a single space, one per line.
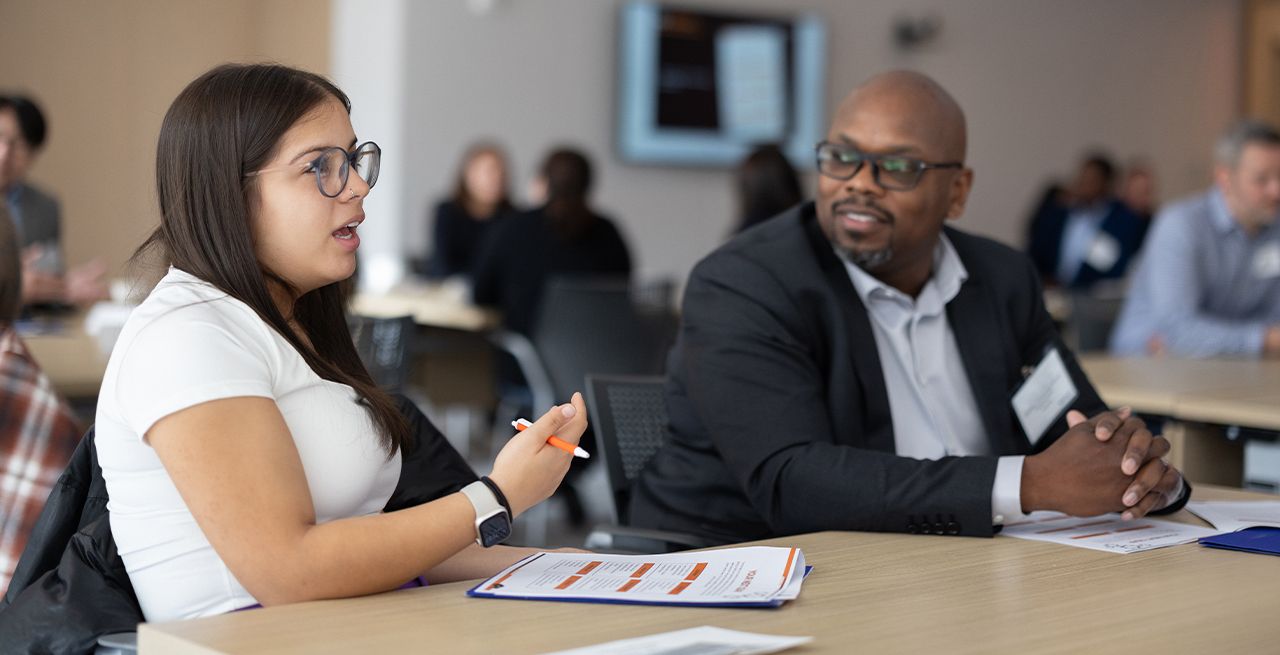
247 453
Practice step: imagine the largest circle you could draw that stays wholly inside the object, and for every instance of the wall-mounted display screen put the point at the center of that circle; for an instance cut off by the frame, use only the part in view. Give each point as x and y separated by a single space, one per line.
701 88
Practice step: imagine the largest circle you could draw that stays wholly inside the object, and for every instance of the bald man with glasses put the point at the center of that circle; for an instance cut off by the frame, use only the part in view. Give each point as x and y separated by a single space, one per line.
854 364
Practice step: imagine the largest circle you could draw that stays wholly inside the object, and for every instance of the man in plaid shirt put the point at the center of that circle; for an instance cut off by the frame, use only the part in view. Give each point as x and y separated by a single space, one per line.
38 432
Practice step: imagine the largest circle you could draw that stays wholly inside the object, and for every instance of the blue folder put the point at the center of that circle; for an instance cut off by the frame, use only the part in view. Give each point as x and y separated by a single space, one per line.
1263 540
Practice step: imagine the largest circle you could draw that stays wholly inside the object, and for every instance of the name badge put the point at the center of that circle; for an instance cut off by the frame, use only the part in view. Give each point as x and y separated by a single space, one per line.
1044 396
1103 253
1266 262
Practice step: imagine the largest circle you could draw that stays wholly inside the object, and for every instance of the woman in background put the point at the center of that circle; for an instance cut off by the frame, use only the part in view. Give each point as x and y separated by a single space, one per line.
481 197
563 236
766 184
247 453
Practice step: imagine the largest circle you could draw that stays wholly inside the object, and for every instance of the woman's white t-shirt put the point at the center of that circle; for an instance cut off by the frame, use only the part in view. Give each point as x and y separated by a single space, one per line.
190 343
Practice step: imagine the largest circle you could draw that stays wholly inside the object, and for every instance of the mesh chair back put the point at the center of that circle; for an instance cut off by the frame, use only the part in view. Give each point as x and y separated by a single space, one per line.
602 326
385 346
629 414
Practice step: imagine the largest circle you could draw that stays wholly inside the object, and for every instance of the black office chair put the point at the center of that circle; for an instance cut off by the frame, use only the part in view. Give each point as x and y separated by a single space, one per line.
630 418
585 324
1093 315
386 346
598 325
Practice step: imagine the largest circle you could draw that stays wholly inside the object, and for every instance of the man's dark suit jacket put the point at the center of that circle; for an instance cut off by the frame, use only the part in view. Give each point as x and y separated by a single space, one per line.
1046 237
779 415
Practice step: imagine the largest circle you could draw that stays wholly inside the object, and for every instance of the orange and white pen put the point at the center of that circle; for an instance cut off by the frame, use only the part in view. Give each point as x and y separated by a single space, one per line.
522 424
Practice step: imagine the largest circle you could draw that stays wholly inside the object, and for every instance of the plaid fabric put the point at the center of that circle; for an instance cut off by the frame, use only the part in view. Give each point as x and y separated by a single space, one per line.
38 433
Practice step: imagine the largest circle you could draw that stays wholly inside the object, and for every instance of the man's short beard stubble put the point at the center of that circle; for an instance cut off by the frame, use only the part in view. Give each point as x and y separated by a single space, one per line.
867 260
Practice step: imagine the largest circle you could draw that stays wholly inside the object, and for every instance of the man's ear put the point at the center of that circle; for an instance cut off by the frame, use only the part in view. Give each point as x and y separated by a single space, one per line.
1222 177
959 193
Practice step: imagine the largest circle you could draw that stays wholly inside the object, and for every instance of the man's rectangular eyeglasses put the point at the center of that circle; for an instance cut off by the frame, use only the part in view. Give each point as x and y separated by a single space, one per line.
333 167
893 172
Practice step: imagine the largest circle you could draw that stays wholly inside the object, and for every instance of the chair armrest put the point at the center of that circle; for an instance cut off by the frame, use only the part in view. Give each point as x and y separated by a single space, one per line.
531 366
117 643
621 538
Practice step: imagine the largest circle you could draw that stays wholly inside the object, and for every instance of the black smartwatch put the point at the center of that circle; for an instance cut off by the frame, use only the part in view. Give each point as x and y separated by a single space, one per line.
493 514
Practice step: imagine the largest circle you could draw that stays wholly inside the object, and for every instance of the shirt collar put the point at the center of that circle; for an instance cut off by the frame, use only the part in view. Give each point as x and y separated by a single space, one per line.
949 274
1219 214
1094 212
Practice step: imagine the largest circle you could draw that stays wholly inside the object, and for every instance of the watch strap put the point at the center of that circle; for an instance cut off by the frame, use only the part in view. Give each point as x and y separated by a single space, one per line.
497 493
483 501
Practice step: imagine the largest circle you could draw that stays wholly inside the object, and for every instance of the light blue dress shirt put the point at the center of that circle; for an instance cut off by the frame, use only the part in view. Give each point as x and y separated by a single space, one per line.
931 403
1204 286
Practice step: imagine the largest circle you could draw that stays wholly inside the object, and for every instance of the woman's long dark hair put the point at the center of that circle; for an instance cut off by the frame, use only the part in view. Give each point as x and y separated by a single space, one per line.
567 174
226 123
767 185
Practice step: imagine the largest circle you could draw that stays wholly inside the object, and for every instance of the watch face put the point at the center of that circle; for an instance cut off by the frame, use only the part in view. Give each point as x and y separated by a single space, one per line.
495 530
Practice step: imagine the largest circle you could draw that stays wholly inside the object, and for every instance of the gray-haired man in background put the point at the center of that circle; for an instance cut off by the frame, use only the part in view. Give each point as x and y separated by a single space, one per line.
1209 281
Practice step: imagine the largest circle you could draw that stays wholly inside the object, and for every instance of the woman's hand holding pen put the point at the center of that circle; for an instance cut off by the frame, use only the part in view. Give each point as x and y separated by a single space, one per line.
528 469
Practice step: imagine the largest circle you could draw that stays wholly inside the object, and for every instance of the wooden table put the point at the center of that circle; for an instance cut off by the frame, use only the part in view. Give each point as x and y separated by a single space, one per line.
869 593
1254 408
1200 396
453 364
432 305
1164 385
71 359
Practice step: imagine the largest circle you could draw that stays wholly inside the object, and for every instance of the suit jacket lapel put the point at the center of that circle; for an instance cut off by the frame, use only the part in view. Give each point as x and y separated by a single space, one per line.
979 336
864 357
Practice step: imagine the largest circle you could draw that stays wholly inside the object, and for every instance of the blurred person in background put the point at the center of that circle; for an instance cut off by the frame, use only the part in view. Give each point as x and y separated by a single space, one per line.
1210 283
481 197
562 236
1091 236
767 185
38 431
1138 193
37 215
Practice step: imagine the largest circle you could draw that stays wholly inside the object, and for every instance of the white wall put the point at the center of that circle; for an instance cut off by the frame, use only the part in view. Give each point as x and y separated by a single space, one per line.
369 64
1041 80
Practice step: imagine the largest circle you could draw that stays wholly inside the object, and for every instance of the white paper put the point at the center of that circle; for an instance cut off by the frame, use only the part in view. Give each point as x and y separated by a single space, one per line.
756 574
705 640
1232 515
1107 533
1044 396
751 84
